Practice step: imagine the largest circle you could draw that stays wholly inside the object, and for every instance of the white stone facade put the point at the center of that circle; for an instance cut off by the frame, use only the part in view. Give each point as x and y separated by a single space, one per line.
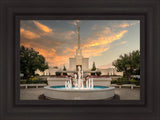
78 61
54 81
50 71
110 71
85 64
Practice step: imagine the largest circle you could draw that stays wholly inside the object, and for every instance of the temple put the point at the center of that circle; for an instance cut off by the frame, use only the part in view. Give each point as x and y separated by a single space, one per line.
78 60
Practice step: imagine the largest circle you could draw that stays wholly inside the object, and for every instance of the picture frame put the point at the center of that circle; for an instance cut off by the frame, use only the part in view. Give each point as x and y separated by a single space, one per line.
148 107
57 102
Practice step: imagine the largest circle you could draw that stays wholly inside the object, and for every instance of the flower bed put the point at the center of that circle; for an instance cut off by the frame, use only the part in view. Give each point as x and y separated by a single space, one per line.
62 76
102 76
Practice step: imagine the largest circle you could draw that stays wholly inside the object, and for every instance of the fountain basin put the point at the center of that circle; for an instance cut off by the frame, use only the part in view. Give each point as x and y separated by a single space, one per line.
62 93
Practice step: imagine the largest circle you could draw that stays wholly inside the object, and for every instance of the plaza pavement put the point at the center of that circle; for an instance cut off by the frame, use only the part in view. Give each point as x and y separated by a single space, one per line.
124 93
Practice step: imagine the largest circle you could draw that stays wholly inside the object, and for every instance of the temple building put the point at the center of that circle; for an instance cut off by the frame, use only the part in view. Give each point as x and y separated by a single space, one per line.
49 71
78 60
109 71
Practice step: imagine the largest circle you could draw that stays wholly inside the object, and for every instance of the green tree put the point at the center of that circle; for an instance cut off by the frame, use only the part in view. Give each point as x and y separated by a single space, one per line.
93 68
30 61
64 69
129 64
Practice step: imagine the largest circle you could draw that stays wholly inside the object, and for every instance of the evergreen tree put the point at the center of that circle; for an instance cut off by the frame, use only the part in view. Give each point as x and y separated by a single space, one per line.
93 68
64 69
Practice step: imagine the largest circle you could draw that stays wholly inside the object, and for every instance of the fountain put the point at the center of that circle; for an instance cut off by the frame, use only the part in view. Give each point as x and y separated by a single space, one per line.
79 91
80 85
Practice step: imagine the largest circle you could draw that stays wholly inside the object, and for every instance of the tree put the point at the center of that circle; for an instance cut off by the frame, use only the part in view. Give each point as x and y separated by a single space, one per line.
93 68
64 69
129 64
30 61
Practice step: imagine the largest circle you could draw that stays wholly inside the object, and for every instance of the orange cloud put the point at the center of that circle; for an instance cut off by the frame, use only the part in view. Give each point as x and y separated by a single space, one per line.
28 34
97 44
51 57
124 25
42 27
94 52
69 50
104 40
25 44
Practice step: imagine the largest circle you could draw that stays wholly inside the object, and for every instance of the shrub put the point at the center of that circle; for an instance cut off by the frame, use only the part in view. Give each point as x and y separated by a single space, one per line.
23 81
122 80
28 81
133 81
114 82
98 73
119 82
37 74
58 73
38 81
33 78
92 73
64 73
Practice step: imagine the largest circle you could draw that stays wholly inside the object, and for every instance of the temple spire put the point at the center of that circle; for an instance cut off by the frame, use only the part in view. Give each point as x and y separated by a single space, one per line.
78 51
78 37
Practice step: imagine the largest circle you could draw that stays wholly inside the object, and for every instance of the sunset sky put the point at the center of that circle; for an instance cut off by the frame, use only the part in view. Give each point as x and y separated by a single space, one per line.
103 41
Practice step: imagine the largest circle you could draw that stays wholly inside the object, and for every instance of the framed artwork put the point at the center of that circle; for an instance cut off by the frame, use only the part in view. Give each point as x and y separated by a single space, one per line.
61 59
79 60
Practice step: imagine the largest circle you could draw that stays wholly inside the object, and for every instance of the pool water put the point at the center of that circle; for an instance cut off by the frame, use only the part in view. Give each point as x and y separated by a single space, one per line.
63 87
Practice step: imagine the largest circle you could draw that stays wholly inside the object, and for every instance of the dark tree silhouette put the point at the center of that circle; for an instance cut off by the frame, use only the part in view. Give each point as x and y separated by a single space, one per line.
30 61
64 69
129 64
93 68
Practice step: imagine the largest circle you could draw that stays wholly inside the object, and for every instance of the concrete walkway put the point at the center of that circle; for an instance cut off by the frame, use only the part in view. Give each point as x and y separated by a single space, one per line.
124 93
